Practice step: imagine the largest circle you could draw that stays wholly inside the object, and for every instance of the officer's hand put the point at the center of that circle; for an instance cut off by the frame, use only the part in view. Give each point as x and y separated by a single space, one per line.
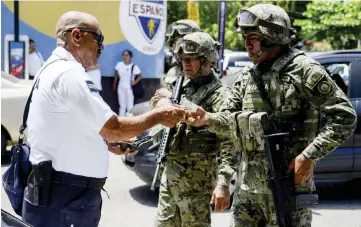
161 93
198 118
303 168
170 115
220 198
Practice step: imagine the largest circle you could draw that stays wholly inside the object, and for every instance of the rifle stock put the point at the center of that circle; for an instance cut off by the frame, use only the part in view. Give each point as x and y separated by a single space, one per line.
162 154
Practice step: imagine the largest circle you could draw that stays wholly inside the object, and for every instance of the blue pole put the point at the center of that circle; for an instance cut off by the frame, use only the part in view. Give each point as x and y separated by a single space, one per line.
222 11
16 20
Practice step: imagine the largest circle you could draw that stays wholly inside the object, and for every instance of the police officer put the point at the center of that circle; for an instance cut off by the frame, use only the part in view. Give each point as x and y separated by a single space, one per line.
67 123
174 32
190 173
296 92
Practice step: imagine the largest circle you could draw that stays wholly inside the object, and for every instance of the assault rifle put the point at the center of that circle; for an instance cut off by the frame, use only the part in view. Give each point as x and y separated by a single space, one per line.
281 183
168 133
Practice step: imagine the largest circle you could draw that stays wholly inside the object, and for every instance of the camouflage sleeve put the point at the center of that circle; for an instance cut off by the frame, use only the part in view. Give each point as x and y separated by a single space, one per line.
320 90
228 155
233 102
166 82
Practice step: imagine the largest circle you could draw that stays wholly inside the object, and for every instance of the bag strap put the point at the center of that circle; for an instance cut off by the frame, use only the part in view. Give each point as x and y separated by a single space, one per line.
27 106
131 72
260 85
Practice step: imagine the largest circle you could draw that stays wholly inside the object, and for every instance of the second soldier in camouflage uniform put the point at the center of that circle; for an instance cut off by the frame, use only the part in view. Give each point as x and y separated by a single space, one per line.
174 32
191 172
297 92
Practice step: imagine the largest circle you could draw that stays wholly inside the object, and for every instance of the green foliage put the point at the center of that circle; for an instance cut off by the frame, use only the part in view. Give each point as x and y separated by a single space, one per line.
337 22
176 10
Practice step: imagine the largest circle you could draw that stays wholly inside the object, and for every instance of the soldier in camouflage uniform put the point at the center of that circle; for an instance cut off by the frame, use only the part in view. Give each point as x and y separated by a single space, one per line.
174 32
297 91
192 172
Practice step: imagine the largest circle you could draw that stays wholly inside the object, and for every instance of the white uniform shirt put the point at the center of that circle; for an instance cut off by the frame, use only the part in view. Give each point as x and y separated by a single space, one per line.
65 117
124 72
35 62
95 74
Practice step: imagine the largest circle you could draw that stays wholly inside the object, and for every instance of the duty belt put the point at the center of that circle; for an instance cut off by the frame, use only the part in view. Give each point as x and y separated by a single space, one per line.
76 180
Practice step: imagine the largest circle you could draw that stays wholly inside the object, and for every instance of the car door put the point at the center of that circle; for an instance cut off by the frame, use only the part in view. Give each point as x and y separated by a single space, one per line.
355 97
342 158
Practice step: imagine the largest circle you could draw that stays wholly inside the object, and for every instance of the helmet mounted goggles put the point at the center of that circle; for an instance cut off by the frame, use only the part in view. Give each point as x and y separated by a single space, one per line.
247 23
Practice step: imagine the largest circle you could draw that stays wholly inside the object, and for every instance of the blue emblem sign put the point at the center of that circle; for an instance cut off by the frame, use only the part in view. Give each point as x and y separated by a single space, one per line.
149 15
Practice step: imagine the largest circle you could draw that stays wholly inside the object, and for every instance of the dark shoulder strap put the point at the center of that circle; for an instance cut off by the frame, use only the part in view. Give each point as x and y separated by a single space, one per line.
131 71
27 106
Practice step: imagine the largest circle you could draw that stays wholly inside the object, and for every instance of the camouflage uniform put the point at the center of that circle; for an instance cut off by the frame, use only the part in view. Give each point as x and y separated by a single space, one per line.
300 91
190 174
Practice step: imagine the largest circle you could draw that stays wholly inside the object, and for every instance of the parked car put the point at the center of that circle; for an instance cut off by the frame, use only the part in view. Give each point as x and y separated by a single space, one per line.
343 164
168 59
14 94
234 62
8 220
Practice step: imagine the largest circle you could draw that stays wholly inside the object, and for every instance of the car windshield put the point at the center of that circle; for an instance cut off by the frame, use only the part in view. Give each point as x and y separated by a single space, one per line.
10 78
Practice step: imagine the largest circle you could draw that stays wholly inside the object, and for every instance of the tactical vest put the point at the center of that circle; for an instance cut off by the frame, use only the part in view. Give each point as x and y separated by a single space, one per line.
192 141
289 112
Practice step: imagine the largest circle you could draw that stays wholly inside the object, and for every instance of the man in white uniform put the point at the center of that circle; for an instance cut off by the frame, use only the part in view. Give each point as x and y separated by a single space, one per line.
67 125
35 59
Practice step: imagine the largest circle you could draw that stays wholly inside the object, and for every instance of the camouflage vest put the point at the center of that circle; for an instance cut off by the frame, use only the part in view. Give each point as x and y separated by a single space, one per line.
192 141
288 112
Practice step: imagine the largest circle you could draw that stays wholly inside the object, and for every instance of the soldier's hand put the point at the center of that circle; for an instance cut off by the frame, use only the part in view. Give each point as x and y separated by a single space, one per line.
303 168
161 93
198 118
170 115
117 149
220 198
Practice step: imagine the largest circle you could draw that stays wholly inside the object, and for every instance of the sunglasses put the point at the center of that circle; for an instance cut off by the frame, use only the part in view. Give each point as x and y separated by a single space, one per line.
97 37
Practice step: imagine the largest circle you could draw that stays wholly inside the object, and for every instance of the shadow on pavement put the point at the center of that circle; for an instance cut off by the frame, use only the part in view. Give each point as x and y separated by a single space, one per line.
346 196
144 196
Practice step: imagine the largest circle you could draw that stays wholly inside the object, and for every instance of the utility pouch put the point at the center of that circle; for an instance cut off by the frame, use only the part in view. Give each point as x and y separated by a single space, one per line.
257 126
243 125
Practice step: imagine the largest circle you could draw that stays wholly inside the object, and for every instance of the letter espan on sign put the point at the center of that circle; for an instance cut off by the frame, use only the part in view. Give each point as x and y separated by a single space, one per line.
149 16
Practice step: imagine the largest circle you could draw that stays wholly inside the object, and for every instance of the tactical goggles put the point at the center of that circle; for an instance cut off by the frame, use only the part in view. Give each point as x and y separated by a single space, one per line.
97 37
182 29
247 20
188 47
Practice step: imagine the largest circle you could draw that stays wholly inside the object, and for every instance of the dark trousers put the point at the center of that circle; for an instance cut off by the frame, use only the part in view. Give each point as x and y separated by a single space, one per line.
69 205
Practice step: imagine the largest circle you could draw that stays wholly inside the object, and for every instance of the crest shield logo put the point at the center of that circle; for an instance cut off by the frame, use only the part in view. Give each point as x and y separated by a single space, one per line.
148 15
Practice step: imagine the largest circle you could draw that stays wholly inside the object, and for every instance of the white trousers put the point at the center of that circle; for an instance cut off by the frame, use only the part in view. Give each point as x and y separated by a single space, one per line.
126 99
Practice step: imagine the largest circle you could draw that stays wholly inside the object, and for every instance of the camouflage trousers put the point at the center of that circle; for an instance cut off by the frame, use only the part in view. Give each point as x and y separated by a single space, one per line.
257 210
185 194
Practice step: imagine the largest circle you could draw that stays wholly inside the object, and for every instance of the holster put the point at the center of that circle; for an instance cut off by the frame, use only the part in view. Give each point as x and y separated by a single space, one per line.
39 183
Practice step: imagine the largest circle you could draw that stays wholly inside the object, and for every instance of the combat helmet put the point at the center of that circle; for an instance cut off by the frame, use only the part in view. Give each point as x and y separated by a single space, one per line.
268 21
181 28
198 44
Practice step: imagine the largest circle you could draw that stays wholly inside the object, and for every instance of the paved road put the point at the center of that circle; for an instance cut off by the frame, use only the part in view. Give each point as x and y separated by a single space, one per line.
131 204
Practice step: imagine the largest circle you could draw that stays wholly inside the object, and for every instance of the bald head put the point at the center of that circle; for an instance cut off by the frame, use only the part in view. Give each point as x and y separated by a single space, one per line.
75 19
